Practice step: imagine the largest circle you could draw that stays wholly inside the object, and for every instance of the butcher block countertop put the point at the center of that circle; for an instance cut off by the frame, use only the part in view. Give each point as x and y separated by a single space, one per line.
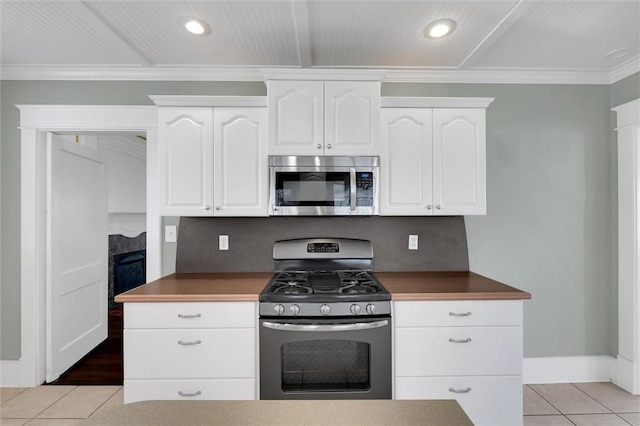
241 287
307 412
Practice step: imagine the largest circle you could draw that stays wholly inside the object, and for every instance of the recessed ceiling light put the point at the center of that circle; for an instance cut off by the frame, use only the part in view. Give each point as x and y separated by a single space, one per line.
195 25
617 54
439 28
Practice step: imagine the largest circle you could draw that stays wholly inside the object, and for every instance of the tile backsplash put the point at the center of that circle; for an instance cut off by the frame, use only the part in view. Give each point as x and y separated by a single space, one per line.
442 241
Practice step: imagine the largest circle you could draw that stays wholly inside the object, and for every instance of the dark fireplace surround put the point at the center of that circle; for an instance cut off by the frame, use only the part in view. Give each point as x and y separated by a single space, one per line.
127 264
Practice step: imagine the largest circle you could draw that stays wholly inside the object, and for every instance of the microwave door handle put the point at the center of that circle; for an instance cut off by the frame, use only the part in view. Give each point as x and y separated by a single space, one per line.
352 197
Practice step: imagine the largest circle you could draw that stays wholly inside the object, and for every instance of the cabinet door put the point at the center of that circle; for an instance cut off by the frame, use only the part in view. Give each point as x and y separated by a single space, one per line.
459 164
352 117
185 149
487 400
405 161
240 162
296 117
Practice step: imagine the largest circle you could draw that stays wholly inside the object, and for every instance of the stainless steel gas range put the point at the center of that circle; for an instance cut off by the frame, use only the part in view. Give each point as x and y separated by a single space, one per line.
325 323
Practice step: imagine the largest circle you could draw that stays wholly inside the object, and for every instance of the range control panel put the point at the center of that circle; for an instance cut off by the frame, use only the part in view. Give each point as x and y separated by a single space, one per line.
323 248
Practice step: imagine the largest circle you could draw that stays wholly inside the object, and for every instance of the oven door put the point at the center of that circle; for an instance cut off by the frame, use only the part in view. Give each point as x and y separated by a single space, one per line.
325 359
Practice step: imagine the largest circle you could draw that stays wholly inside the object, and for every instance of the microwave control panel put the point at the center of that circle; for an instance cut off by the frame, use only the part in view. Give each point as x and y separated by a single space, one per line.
364 188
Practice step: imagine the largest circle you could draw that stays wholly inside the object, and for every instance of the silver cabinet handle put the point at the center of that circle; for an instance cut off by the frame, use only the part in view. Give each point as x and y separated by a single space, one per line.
185 394
197 342
207 208
438 206
328 146
319 146
459 314
429 207
217 207
467 340
189 316
334 327
467 390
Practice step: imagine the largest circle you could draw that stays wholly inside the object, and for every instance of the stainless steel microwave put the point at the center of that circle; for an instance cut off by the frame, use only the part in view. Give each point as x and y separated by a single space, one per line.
323 185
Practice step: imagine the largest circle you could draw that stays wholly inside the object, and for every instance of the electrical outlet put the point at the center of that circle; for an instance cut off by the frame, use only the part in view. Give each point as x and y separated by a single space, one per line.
413 242
223 242
170 234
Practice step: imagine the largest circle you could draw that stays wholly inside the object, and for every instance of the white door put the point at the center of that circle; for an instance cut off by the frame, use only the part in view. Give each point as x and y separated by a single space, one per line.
240 162
352 117
459 164
405 162
296 122
77 240
185 162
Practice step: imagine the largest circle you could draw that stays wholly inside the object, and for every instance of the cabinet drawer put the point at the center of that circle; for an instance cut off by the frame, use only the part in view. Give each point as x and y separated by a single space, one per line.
187 390
190 315
448 351
457 313
486 400
189 353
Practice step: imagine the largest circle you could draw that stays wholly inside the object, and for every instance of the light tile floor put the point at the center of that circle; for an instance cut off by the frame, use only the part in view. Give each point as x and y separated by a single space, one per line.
601 404
580 404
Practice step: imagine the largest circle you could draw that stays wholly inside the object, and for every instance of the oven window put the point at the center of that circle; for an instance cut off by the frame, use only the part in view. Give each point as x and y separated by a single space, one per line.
312 189
325 365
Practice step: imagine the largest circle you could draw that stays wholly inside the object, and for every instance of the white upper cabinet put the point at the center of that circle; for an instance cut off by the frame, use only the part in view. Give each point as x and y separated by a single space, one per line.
433 161
459 166
405 161
185 149
323 117
240 162
212 157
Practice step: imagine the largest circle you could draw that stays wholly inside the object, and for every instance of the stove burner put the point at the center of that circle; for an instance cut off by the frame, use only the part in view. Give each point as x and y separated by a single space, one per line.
324 281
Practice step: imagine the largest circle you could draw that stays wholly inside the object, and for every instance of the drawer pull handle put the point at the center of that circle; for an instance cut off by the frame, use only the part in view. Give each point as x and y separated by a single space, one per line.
189 394
197 342
467 340
467 390
189 316
459 314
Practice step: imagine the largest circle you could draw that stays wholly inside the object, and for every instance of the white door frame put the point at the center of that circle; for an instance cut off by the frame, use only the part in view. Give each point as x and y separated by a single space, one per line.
35 121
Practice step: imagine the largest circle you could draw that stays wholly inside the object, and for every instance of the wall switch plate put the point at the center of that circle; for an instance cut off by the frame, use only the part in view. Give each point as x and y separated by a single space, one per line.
170 234
223 242
413 242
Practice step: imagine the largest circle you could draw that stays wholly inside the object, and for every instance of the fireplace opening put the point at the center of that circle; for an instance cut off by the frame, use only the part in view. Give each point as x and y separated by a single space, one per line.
129 270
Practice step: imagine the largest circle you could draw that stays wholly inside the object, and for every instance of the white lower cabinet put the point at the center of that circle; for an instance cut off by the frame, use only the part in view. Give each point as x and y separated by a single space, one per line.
189 351
470 351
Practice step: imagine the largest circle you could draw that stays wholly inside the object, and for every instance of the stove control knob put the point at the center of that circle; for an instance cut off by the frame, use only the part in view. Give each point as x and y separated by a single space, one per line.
325 310
279 309
355 309
371 309
295 309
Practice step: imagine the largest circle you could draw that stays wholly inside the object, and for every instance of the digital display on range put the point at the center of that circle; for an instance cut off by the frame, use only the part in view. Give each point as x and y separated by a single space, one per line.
323 248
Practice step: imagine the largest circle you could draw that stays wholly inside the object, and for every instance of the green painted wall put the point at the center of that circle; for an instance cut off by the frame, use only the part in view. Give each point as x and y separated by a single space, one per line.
550 213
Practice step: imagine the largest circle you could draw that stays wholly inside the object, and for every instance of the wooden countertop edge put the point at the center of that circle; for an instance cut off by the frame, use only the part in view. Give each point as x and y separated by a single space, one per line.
187 298
395 297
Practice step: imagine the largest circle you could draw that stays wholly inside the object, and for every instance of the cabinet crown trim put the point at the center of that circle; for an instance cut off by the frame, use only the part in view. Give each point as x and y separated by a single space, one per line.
323 74
209 101
441 102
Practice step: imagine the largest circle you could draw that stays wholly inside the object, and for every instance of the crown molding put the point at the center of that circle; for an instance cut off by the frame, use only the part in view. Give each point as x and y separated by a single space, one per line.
433 102
625 70
483 76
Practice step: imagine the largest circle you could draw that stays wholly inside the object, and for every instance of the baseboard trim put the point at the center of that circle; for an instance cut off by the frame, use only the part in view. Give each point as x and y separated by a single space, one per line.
569 369
10 374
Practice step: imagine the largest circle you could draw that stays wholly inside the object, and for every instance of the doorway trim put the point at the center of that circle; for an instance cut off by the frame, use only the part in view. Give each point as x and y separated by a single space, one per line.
35 121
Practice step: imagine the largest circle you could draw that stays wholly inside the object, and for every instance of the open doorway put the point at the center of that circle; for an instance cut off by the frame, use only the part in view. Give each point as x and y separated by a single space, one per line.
123 159
35 122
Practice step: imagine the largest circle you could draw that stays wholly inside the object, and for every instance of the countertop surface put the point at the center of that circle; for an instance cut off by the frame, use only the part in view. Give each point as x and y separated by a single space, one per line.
306 412
238 287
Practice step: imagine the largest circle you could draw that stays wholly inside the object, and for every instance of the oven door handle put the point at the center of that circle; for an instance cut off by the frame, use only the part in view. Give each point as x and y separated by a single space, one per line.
330 327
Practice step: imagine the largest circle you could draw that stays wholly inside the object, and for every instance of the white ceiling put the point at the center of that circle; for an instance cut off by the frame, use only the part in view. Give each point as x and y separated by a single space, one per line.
502 41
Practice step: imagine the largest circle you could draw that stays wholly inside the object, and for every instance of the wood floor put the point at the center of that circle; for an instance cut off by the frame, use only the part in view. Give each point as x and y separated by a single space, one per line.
103 365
